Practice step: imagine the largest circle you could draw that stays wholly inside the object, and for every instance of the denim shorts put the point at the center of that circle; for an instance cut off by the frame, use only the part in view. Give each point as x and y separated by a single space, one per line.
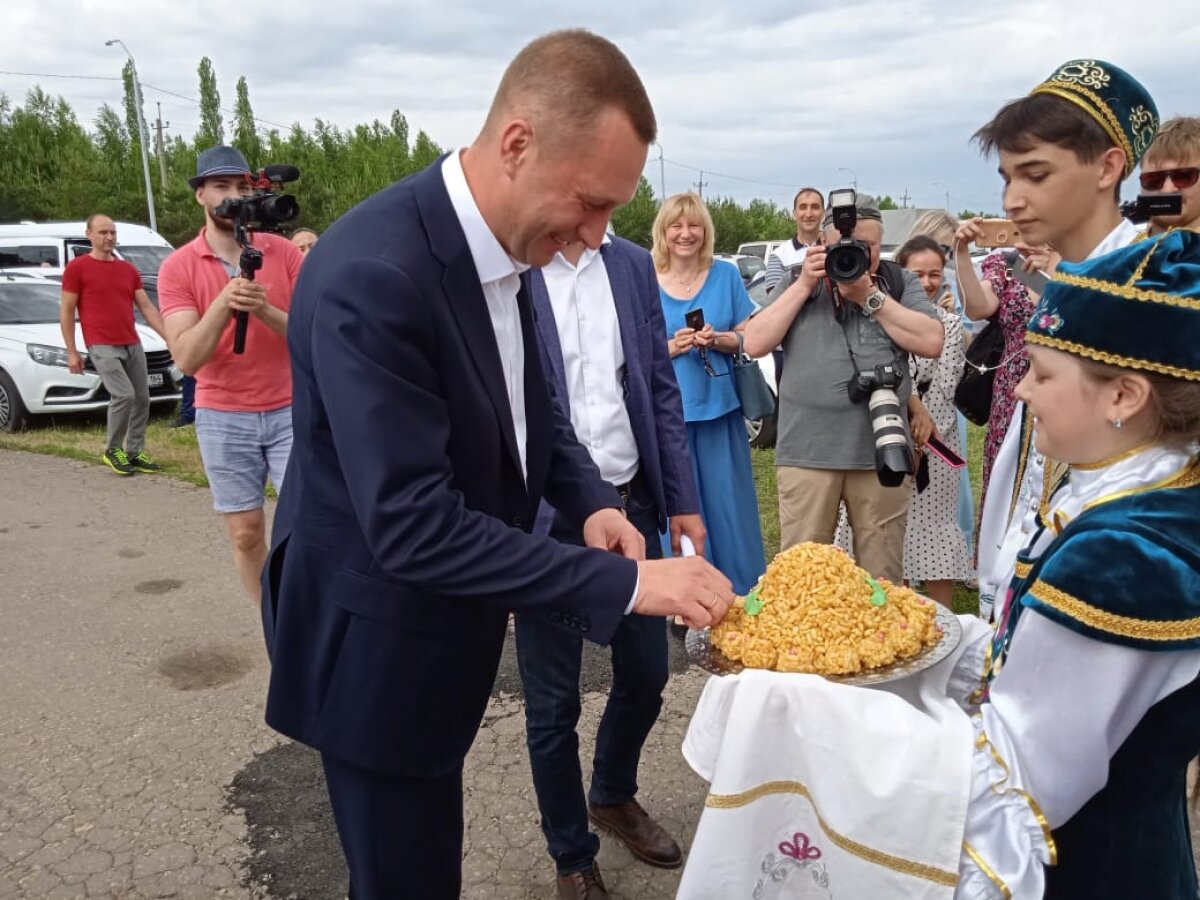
240 450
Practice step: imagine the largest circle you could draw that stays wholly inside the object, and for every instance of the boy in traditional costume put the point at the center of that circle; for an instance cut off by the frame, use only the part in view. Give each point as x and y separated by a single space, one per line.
1063 151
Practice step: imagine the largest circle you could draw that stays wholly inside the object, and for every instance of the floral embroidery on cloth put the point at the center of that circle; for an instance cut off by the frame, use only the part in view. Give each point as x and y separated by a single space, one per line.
795 872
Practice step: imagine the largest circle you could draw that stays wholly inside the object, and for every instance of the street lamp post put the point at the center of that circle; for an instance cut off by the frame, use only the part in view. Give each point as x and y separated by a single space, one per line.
143 138
662 172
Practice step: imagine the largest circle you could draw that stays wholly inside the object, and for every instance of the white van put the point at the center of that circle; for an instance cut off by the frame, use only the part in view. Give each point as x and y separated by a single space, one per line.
36 245
761 249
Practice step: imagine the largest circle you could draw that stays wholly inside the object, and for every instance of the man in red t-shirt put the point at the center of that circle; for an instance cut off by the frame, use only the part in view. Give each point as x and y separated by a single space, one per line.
243 400
104 290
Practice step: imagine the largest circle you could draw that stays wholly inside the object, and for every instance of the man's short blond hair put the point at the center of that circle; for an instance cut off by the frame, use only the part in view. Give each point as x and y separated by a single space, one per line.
1178 140
564 80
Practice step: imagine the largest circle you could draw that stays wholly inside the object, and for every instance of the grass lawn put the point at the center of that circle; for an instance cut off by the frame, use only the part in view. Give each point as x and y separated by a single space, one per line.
763 463
175 449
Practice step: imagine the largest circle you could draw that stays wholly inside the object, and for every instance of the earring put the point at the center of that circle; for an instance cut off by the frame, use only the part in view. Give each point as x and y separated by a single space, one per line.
1116 423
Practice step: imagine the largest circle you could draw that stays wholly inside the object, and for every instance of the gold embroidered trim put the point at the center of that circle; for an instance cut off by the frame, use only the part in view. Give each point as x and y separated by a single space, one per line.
982 742
1097 109
878 857
1126 291
1112 460
1113 359
1188 476
1023 569
1114 623
1023 459
1141 267
988 871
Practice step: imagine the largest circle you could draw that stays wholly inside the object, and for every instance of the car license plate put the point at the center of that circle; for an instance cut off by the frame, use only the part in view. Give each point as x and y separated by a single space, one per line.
156 379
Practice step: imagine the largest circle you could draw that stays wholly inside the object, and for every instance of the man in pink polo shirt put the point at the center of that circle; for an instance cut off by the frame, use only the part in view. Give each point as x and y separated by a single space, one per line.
243 401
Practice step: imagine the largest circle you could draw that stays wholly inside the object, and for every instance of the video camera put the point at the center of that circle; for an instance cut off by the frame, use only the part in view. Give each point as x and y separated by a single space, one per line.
262 210
848 259
1147 206
893 456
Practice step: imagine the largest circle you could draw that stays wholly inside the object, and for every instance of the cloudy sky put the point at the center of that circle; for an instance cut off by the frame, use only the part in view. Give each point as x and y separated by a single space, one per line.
762 97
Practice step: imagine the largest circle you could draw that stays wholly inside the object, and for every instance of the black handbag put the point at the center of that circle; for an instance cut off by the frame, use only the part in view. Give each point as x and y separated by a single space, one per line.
973 395
751 385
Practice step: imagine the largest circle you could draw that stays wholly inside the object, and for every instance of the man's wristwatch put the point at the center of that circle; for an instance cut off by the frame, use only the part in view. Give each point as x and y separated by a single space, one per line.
874 302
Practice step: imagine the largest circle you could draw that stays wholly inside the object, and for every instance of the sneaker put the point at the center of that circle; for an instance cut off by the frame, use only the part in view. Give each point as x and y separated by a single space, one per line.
141 462
117 461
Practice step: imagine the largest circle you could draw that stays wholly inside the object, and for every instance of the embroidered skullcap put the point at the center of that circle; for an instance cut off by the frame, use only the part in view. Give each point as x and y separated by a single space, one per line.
1137 307
1111 96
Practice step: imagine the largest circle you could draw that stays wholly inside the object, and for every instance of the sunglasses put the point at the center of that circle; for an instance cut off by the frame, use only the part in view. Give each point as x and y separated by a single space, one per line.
708 366
1182 178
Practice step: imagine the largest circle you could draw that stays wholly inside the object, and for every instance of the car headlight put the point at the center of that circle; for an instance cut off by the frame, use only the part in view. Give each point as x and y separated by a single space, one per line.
47 356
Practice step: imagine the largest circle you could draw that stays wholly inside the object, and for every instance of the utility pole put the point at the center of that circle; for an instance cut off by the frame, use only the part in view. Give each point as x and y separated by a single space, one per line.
853 177
904 200
161 150
701 184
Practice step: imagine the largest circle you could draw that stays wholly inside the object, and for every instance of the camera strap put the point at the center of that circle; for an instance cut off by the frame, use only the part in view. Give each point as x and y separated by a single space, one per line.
841 311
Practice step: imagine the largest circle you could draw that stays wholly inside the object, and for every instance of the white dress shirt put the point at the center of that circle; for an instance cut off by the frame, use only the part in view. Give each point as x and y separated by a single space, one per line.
499 276
589 333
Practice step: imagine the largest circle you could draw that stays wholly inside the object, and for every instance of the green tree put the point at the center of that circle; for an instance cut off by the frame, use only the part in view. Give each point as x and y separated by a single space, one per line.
212 130
635 220
245 134
886 202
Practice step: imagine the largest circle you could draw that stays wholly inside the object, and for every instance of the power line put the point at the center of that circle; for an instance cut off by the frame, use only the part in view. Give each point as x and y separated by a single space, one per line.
53 75
731 177
145 84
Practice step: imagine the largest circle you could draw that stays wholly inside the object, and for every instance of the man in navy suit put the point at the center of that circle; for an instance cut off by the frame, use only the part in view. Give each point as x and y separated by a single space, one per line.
425 438
601 333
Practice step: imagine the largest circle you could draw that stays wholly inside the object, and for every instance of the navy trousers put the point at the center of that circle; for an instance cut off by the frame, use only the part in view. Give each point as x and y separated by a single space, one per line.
402 836
550 660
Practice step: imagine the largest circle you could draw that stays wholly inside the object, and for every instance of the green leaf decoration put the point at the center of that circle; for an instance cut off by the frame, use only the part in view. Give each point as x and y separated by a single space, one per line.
754 603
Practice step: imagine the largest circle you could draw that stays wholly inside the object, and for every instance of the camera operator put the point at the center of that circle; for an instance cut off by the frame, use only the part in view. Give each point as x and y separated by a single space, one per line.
832 333
243 400
1172 163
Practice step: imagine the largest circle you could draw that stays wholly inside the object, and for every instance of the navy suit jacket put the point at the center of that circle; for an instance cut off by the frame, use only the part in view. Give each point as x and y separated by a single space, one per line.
651 392
400 541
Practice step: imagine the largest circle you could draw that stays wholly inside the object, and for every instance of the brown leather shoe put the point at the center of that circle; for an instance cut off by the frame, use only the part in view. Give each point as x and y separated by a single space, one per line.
645 838
584 885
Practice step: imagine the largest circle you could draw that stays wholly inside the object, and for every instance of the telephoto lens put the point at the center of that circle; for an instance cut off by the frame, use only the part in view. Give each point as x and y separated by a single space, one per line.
893 458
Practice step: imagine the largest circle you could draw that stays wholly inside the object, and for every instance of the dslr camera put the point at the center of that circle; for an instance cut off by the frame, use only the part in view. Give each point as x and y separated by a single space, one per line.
848 259
265 209
262 210
893 455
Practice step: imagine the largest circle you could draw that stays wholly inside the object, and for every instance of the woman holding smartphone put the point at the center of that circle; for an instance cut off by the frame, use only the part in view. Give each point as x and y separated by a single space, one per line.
935 551
704 304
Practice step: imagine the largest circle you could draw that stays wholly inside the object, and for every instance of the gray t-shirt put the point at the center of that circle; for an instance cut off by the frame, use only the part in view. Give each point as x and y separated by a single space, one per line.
819 428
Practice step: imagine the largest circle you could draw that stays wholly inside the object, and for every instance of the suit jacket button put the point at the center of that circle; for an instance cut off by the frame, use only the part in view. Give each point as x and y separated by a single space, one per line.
585 625
517 522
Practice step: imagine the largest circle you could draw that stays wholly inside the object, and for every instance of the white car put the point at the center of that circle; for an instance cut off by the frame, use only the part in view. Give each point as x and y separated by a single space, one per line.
761 432
34 379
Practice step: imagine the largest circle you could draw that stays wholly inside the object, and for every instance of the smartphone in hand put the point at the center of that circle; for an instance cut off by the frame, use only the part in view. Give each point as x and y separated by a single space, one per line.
944 453
694 319
997 233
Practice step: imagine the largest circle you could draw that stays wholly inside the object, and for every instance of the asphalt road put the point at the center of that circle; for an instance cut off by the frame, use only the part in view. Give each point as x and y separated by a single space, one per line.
133 757
134 762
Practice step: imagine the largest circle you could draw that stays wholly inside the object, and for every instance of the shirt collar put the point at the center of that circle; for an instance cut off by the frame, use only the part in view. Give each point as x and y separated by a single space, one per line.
585 259
492 262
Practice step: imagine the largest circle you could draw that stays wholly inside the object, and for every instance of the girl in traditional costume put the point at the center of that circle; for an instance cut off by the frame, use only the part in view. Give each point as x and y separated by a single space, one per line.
1066 777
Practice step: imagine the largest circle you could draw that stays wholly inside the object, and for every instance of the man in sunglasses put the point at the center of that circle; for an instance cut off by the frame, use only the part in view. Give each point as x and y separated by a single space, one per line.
1172 164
